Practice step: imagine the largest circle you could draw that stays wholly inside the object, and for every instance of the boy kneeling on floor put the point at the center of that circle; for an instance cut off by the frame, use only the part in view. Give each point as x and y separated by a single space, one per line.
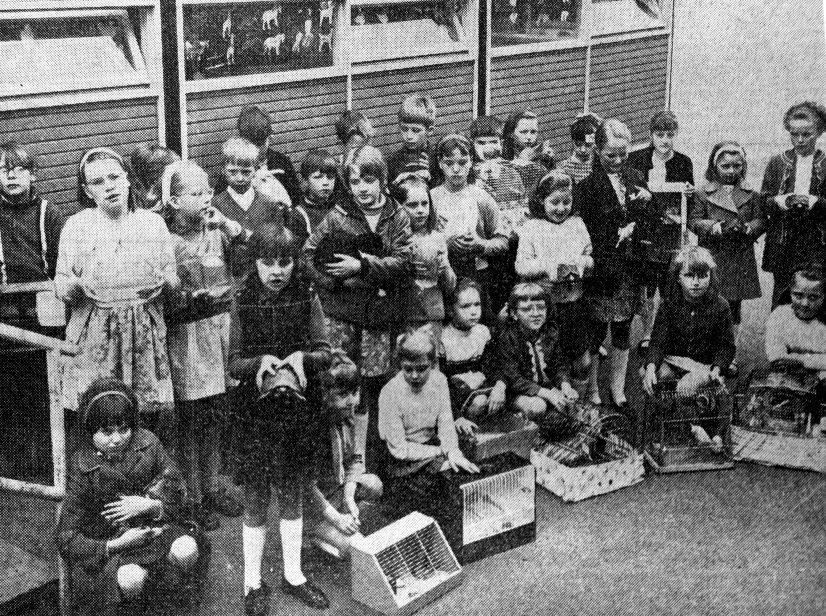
416 422
796 332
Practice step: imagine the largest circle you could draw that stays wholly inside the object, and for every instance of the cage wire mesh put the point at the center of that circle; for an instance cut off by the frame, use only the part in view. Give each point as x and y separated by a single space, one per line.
591 438
498 503
779 401
680 428
416 563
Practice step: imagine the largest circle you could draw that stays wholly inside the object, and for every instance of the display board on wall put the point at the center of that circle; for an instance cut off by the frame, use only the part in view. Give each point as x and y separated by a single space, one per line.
242 38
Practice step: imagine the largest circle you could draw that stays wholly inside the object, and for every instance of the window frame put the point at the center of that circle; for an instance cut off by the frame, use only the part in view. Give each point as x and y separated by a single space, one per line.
140 78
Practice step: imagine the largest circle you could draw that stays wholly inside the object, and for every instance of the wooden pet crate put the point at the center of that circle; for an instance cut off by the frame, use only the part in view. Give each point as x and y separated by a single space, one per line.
403 567
671 420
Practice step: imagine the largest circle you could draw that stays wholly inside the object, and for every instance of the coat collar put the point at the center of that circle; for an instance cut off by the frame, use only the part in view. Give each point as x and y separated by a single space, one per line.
739 195
89 459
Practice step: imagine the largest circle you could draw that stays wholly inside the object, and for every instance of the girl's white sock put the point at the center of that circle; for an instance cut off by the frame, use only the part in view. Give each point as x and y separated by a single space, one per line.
253 538
291 538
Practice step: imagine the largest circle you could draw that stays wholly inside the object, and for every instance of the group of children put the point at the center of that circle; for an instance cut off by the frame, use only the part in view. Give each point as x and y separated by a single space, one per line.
371 307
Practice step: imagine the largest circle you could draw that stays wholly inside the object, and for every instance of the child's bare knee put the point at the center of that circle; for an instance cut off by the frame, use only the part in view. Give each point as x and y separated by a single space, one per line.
370 488
183 553
477 406
532 406
131 580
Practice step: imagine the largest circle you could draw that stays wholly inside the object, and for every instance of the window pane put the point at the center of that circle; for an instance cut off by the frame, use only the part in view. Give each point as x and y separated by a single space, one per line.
260 37
531 21
49 54
408 29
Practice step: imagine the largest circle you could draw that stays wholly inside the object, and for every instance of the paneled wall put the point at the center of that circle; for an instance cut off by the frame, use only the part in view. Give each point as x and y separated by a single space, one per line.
379 95
628 81
60 135
303 115
552 84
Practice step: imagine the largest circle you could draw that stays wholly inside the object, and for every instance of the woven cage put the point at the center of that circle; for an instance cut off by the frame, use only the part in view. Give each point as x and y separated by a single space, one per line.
595 460
402 567
673 425
773 424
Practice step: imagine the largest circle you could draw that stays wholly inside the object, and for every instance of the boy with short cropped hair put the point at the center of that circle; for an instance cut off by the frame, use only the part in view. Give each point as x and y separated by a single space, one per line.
417 115
796 332
581 161
29 234
240 201
255 125
530 359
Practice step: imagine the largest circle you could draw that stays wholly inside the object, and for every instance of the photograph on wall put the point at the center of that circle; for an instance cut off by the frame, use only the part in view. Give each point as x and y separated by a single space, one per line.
223 40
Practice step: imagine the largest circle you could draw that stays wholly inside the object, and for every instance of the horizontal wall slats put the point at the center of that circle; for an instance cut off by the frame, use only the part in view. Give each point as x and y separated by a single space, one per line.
379 97
628 81
552 84
303 115
60 135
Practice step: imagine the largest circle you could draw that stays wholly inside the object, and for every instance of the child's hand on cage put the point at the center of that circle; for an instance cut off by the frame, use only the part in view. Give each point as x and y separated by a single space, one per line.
496 400
465 426
649 379
346 523
569 392
457 461
714 376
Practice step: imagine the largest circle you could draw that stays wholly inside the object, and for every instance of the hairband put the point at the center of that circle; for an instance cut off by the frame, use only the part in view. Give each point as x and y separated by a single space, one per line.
455 136
111 392
166 181
101 150
729 147
555 173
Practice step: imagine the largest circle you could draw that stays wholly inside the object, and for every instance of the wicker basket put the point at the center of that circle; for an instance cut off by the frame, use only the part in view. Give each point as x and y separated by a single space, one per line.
779 449
575 483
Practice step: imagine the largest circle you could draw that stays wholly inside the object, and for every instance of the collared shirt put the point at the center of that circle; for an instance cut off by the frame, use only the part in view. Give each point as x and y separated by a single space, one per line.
245 200
803 174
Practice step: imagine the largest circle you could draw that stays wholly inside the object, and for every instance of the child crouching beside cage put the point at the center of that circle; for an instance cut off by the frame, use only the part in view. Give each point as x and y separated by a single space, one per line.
278 349
693 339
531 363
121 522
796 332
342 486
416 423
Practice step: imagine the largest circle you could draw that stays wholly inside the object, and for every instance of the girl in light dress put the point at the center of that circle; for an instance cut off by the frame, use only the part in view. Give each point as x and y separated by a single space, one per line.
114 265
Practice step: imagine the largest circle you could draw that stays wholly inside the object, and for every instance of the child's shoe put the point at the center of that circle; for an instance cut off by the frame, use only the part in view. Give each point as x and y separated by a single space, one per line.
257 601
717 444
307 593
700 435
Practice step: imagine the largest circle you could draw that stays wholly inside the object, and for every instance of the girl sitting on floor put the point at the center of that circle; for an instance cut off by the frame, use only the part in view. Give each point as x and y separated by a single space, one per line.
118 522
476 394
693 338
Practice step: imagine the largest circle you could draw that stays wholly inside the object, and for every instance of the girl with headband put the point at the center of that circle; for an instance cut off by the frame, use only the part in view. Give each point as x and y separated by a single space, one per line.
114 264
728 217
121 521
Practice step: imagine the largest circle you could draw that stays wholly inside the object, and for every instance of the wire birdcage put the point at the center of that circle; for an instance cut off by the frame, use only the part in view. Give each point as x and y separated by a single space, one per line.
594 460
403 566
774 420
779 402
688 432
